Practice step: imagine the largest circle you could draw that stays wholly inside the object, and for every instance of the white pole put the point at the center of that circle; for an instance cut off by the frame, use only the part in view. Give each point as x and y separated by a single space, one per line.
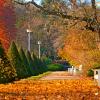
39 43
39 51
29 39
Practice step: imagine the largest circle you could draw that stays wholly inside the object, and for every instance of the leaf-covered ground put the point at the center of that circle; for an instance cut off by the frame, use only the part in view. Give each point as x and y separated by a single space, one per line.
79 89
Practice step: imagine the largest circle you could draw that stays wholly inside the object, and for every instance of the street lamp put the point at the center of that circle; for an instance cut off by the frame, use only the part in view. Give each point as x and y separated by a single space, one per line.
29 38
39 43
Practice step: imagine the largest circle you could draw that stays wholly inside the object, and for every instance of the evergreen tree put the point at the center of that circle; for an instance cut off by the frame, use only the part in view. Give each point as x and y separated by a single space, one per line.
31 63
25 62
44 65
17 62
38 63
7 72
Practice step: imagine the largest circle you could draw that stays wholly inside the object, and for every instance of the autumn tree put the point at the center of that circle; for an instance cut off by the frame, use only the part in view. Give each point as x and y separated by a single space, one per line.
7 72
7 22
58 8
81 48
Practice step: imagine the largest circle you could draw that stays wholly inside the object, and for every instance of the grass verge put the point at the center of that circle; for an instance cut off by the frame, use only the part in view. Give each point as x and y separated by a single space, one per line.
38 76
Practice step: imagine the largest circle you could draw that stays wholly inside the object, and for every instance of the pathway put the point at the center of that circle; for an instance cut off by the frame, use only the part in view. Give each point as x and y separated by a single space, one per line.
59 75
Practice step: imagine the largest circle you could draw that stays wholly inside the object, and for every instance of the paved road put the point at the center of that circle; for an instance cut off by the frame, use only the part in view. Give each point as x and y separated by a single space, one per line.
59 75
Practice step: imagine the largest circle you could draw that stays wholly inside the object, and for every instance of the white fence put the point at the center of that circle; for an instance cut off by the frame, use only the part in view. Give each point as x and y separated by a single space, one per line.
74 70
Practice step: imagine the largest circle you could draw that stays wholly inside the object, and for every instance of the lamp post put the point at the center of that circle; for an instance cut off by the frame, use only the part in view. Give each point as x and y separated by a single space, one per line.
39 43
29 38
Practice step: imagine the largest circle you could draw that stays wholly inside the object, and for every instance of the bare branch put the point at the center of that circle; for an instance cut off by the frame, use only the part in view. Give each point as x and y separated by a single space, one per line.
65 15
56 13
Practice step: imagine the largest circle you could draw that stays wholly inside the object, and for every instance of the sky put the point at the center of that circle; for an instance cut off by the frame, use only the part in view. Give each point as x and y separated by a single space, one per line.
37 1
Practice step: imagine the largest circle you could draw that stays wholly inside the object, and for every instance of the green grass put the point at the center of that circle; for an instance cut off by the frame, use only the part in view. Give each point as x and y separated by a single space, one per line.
38 76
55 67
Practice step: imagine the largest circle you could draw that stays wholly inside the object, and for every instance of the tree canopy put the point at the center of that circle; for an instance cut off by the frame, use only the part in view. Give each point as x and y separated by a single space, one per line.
7 22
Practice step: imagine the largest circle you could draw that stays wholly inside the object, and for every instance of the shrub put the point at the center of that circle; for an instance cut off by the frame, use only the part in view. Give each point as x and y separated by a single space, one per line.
17 62
47 60
90 72
7 72
55 67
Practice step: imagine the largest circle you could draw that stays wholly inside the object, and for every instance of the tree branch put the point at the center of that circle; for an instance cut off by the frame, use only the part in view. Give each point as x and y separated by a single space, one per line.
56 13
63 14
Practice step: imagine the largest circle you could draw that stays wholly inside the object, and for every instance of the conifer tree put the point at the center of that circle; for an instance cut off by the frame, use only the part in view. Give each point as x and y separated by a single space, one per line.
38 63
7 72
44 65
31 63
17 62
25 62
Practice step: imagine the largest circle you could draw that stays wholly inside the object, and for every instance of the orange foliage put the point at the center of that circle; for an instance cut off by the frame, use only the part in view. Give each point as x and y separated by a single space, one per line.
7 23
52 90
3 36
80 47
